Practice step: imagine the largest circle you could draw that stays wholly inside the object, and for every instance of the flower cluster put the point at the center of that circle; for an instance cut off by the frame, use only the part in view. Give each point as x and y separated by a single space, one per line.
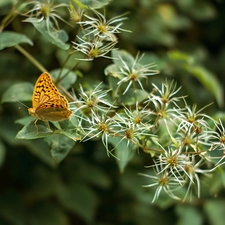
183 142
98 36
186 154
46 10
179 138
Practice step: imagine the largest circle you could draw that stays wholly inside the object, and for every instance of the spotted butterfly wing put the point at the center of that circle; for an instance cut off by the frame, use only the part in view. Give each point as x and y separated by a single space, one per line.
47 103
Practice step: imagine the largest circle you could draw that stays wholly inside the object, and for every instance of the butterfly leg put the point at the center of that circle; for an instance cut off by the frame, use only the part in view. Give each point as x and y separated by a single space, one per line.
49 126
36 127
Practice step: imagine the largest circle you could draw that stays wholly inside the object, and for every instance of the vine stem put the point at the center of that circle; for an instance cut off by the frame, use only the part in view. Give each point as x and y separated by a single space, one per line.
31 58
42 68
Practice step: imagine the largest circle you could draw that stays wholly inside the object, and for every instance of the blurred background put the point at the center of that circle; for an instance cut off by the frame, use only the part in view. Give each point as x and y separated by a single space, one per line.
185 38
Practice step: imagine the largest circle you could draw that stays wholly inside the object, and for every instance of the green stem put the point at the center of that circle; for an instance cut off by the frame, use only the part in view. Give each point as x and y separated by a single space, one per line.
9 17
72 69
30 57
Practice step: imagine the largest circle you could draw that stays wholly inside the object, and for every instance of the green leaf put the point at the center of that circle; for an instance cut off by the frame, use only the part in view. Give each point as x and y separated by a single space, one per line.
80 199
20 91
25 120
37 147
122 55
47 213
2 153
5 2
12 207
209 80
68 80
44 183
180 57
70 133
56 37
32 131
131 97
200 10
89 173
68 128
188 215
95 4
10 39
123 152
215 211
60 146
113 70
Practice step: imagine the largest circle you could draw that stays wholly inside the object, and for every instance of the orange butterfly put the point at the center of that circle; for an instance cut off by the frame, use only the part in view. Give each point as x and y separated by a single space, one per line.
47 103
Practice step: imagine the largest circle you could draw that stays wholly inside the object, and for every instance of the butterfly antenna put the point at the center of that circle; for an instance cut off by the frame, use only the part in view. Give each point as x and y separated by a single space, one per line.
20 102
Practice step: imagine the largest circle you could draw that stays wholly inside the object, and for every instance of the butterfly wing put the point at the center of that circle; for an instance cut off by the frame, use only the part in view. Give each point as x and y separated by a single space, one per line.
53 114
44 90
47 102
55 109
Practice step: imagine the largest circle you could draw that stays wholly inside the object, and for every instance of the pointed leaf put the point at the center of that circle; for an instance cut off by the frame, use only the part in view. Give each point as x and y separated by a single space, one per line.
123 152
215 211
79 198
39 149
56 37
25 120
209 80
113 70
60 146
10 39
188 215
20 91
30 131
47 213
12 203
130 97
122 55
70 133
68 80
95 4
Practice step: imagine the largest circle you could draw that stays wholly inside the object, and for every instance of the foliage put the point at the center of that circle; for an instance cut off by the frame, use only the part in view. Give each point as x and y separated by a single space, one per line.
128 108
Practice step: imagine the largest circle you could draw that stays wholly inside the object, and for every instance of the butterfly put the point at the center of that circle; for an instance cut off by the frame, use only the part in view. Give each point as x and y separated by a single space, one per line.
47 103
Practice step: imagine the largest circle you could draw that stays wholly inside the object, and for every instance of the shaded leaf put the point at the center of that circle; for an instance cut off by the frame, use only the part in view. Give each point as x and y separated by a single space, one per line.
215 211
25 120
4 2
20 91
180 57
79 199
188 215
130 97
123 152
122 55
43 184
95 4
87 172
47 213
10 39
57 38
112 70
36 147
11 203
200 10
209 80
30 131
68 80
70 133
60 146
2 153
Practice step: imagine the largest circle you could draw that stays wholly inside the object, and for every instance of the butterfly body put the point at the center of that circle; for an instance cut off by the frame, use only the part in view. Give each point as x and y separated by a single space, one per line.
47 103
